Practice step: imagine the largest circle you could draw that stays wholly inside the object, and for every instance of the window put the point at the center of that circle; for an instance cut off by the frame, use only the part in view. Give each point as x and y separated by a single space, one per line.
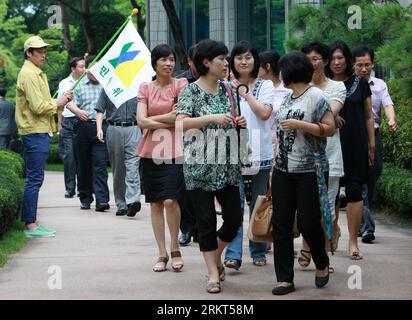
252 22
277 25
194 20
262 22
202 20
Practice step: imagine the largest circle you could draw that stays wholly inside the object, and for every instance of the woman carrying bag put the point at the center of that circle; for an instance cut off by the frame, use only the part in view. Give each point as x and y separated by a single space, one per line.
304 120
256 107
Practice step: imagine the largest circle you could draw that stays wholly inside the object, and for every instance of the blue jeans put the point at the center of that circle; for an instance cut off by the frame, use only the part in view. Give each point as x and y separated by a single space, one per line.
35 153
257 250
368 224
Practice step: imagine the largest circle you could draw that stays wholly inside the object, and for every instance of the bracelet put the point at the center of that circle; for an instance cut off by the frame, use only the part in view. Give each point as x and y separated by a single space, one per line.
322 130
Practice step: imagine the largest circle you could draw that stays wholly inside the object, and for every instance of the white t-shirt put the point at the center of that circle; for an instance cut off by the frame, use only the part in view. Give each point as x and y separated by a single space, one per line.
66 85
335 90
260 137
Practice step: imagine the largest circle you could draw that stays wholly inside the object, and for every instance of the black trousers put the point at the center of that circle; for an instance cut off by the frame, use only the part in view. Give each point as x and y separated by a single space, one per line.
293 192
187 220
376 170
92 161
204 209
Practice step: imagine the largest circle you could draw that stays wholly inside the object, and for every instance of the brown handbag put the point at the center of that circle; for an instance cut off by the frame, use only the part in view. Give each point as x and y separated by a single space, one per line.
260 225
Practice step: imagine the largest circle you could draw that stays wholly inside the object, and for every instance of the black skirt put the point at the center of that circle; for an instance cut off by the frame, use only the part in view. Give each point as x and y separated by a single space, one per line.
161 181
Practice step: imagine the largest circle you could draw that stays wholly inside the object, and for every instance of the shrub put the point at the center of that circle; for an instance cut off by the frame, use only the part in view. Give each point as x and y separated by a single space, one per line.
54 156
397 147
11 188
394 188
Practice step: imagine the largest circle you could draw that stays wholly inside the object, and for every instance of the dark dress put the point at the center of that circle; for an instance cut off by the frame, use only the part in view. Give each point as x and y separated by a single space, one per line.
354 134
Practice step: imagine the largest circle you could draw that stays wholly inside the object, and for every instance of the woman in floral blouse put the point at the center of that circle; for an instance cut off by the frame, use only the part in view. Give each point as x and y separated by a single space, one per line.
205 112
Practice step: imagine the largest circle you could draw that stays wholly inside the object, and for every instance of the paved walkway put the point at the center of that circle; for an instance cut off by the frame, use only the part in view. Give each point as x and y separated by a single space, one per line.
102 256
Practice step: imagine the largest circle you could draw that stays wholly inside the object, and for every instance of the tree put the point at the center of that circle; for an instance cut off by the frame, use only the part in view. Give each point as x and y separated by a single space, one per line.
395 54
329 22
66 29
141 22
386 28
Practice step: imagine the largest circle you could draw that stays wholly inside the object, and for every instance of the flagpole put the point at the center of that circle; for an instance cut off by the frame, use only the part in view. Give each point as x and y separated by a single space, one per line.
134 12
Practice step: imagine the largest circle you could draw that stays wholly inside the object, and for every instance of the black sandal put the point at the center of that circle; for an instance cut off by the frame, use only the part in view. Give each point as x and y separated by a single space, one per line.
304 259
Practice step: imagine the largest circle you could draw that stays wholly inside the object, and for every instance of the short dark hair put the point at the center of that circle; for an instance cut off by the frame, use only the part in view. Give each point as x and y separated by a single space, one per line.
3 91
161 51
89 60
73 61
191 52
31 50
207 49
339 44
318 47
271 57
295 67
362 51
240 48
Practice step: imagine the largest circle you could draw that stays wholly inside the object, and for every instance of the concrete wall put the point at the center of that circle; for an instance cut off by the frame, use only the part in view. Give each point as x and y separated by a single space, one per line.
222 21
158 24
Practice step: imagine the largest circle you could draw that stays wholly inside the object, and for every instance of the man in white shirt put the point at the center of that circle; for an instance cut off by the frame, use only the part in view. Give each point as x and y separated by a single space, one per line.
67 121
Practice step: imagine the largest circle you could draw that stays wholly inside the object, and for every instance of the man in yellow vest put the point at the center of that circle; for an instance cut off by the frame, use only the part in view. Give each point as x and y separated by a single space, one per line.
34 108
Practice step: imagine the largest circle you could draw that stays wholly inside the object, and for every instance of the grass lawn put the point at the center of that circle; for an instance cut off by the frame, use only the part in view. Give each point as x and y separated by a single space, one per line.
54 167
59 167
12 242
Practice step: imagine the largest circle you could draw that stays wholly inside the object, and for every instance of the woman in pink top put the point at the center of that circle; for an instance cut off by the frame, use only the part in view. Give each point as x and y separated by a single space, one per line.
159 150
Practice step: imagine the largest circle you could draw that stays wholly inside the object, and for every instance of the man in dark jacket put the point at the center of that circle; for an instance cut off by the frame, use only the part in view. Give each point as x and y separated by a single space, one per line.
8 127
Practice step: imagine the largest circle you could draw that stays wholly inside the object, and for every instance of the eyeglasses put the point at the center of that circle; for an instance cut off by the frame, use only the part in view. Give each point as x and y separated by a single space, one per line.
363 65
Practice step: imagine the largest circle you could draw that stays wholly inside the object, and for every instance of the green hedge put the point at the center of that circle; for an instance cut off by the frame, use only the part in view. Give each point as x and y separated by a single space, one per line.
11 189
54 156
397 147
394 188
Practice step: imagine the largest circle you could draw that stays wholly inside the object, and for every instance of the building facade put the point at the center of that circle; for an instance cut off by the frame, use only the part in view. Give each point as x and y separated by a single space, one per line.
260 21
263 22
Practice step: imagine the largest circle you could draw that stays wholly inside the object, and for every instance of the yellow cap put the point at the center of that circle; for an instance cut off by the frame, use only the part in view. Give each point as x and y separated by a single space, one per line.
135 11
34 42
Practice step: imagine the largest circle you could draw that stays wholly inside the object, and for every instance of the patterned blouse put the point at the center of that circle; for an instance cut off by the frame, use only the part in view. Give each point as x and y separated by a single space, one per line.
208 164
296 148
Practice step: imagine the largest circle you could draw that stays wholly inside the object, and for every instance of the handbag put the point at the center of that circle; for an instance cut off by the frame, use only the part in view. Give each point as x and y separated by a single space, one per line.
260 225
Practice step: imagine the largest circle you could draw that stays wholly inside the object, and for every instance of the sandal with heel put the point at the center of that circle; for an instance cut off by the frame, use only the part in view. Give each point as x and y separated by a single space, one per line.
335 240
177 267
213 287
222 273
161 268
305 258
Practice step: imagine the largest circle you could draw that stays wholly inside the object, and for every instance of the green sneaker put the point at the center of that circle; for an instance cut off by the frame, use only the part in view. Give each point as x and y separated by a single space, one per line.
46 229
38 233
